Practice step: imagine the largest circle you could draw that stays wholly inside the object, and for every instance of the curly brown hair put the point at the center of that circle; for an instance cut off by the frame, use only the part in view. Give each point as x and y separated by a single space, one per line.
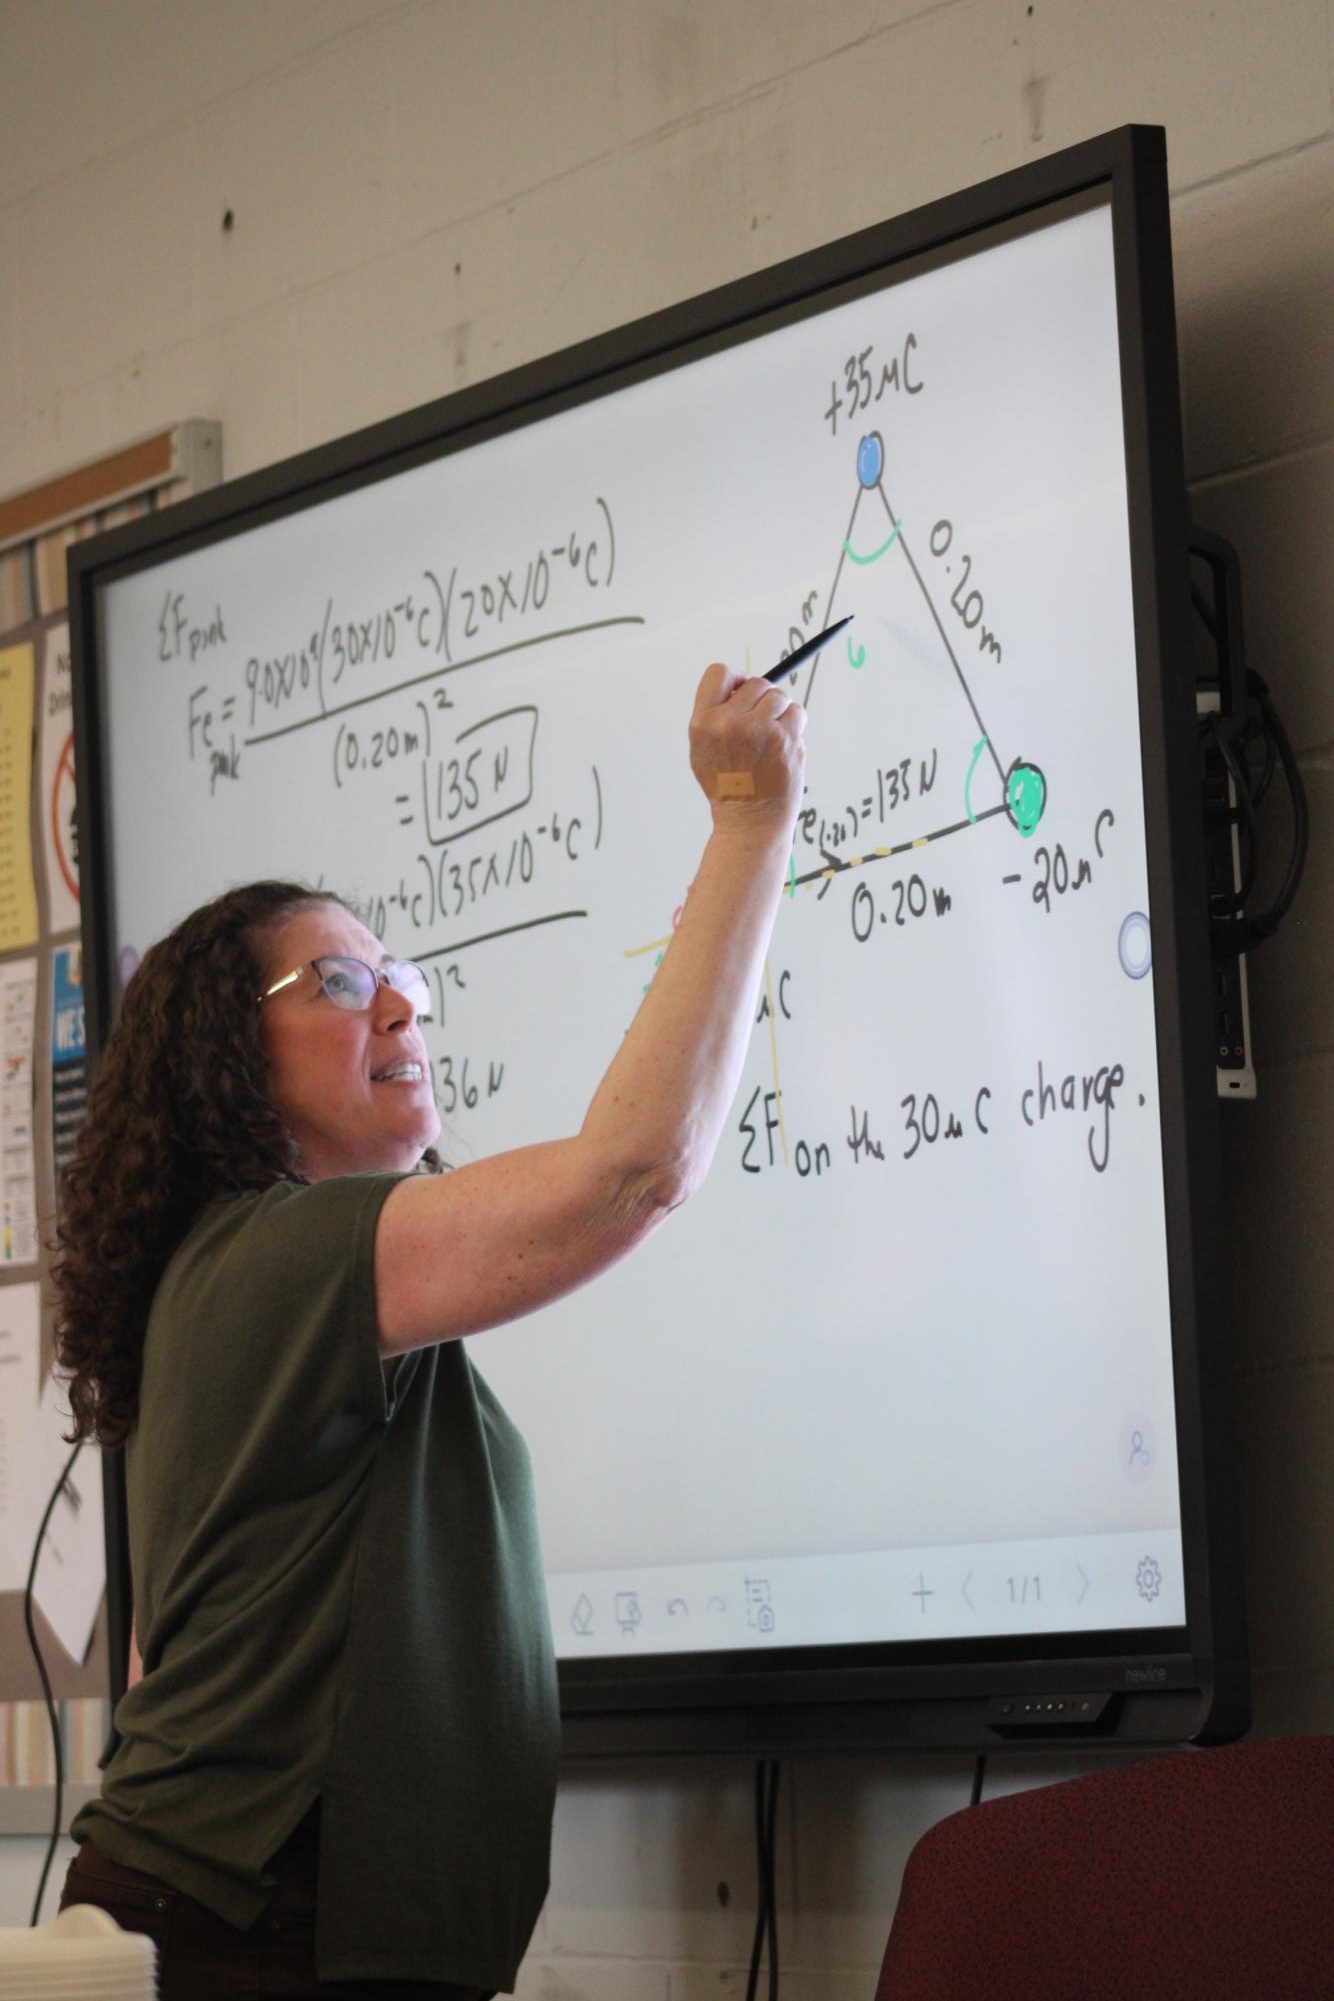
180 1114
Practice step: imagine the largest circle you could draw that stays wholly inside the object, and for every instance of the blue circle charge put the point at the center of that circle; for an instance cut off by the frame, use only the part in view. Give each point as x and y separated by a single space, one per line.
870 458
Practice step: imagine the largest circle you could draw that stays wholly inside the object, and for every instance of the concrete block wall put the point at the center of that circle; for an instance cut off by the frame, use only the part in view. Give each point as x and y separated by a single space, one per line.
300 217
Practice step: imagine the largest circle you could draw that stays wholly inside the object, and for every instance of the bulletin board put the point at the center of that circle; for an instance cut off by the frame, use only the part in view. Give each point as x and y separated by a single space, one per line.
43 1085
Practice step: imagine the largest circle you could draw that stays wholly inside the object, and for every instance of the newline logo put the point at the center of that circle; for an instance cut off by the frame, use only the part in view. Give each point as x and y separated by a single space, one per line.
1141 1674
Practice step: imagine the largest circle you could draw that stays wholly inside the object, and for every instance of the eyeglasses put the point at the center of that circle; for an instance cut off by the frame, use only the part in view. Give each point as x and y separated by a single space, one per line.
352 984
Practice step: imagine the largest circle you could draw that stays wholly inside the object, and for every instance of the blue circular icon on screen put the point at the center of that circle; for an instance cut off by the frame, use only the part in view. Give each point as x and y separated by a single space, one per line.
1133 945
870 458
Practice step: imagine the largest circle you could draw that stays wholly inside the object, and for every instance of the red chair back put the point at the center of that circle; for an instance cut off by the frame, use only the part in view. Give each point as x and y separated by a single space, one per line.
1204 1874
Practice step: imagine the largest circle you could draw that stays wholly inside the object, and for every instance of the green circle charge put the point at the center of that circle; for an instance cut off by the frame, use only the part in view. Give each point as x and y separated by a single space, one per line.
1026 795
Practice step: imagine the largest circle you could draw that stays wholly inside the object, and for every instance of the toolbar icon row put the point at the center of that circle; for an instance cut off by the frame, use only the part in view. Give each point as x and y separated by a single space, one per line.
628 1613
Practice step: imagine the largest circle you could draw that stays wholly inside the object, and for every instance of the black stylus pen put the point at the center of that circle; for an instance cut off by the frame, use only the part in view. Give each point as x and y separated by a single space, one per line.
805 652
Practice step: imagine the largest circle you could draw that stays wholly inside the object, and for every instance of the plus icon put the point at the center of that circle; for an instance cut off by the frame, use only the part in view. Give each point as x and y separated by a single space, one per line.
922 1592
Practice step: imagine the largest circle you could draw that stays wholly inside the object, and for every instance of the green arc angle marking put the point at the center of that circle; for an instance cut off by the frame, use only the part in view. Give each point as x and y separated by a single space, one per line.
978 749
875 554
856 655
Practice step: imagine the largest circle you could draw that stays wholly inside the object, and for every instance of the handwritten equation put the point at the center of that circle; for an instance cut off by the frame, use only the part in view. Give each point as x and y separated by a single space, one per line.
448 618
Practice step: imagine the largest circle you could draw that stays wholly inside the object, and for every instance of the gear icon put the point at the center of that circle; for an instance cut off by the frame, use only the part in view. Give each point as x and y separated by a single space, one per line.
1148 1579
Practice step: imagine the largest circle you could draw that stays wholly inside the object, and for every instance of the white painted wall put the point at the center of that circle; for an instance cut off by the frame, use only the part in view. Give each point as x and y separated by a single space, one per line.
21 1859
426 191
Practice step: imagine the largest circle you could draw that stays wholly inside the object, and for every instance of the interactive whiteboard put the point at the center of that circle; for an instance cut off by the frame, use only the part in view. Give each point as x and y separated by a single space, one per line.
903 1371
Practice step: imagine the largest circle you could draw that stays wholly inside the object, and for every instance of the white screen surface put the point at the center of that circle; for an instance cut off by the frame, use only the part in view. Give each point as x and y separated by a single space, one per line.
903 1369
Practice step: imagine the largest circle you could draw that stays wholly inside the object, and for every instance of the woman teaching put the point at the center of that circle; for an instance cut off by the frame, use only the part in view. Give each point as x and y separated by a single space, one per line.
337 1772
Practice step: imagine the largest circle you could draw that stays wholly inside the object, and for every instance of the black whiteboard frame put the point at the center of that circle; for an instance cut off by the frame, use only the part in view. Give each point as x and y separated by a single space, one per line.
1169 1685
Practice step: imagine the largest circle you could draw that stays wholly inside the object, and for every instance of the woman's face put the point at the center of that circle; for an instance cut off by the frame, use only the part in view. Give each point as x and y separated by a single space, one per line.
354 1088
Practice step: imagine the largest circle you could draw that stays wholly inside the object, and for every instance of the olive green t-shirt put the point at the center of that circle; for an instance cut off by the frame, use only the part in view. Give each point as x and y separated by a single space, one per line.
338 1593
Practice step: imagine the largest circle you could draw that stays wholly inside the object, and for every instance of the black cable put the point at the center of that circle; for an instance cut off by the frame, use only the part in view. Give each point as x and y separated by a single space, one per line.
1235 900
1235 934
979 1773
1205 609
761 1895
1255 732
771 1825
1301 816
766 1914
46 1683
1232 931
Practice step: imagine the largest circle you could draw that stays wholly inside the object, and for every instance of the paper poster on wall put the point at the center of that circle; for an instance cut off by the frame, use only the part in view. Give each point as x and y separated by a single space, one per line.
19 1365
59 799
69 1068
18 893
18 1207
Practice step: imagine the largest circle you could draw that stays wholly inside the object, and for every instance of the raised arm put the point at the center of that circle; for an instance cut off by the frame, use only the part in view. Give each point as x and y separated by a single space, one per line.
462 1251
